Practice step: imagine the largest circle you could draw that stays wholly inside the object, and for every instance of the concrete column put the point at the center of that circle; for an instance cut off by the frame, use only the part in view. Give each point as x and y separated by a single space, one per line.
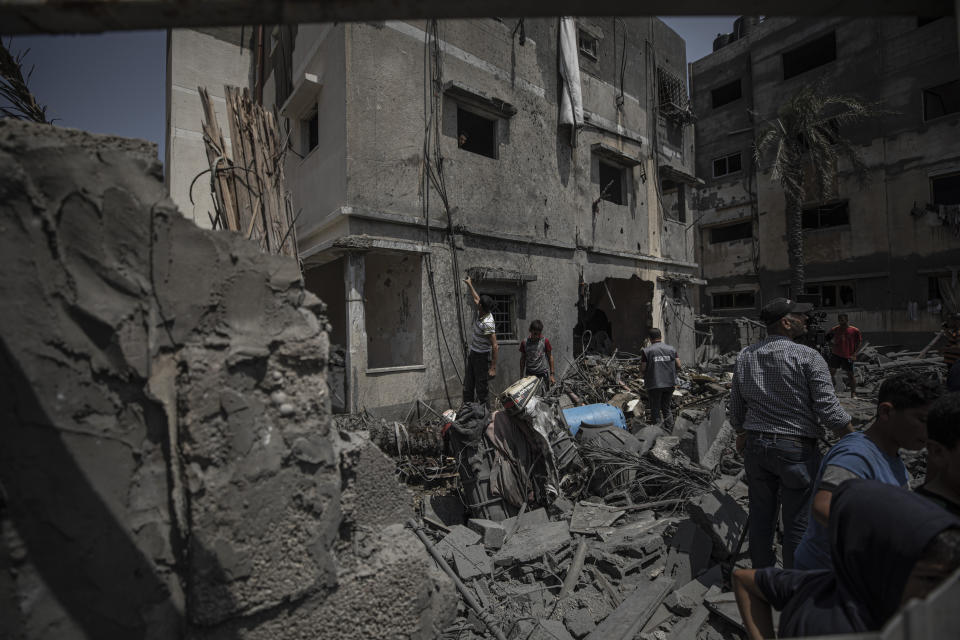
356 333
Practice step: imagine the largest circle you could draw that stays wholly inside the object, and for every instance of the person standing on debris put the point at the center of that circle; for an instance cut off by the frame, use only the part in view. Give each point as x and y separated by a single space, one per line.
943 454
482 360
845 340
536 356
901 423
659 365
780 395
888 546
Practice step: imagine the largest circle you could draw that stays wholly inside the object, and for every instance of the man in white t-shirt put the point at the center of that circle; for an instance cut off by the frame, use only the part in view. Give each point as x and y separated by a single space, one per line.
482 360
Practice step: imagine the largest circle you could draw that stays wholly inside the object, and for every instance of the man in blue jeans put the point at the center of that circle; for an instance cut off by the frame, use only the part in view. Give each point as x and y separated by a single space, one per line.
781 398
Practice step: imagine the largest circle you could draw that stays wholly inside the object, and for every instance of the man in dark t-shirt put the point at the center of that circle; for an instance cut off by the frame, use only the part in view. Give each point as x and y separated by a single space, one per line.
659 364
536 356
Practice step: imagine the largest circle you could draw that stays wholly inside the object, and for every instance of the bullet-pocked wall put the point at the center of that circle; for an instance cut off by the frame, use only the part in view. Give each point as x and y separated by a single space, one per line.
877 246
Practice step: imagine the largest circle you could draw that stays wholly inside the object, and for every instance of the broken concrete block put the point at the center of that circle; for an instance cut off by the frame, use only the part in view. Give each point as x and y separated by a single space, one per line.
722 518
634 612
472 561
706 432
588 517
687 628
458 538
529 543
493 533
690 550
526 519
634 543
549 630
724 605
579 622
663 449
680 604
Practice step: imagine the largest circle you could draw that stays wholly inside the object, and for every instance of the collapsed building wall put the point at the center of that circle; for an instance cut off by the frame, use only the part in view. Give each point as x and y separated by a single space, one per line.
167 467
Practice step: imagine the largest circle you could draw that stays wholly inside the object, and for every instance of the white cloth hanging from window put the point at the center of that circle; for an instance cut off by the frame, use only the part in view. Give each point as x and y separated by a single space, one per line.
571 99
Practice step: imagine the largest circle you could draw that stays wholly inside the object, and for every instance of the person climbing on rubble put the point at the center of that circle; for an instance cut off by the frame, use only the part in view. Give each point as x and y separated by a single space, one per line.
780 395
659 365
943 454
888 546
482 359
901 423
536 356
845 340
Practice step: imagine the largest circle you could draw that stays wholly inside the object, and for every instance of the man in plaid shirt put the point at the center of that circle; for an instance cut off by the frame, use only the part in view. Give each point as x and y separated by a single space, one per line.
781 398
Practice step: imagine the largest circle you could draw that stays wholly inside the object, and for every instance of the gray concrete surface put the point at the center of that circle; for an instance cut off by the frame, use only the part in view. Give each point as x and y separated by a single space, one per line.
168 468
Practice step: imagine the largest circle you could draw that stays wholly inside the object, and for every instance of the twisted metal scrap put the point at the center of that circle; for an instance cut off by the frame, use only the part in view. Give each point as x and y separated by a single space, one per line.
652 479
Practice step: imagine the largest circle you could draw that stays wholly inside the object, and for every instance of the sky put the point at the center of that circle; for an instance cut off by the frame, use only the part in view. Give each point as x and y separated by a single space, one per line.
114 83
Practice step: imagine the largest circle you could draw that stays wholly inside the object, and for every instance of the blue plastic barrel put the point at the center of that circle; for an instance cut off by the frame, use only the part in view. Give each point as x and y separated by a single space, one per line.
594 414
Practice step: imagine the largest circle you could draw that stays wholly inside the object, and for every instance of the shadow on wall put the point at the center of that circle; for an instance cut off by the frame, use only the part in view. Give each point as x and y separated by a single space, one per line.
65 536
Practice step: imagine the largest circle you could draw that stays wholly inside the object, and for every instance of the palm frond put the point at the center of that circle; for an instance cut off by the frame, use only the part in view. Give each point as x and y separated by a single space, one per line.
14 91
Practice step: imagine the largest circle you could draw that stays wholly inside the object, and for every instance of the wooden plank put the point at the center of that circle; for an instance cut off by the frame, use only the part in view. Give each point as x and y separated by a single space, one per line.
219 164
242 178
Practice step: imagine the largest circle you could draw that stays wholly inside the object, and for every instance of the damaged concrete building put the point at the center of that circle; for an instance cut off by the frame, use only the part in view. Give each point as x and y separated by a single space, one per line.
886 251
424 152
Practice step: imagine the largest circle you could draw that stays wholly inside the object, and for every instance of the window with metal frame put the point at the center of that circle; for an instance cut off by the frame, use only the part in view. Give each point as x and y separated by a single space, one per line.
505 315
589 45
727 164
734 300
832 295
810 55
832 214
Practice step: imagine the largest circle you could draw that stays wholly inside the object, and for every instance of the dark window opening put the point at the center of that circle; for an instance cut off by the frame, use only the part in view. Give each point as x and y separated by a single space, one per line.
727 165
809 56
476 134
726 94
946 189
311 131
611 183
833 214
734 300
831 295
589 45
504 315
941 100
933 288
731 232
922 21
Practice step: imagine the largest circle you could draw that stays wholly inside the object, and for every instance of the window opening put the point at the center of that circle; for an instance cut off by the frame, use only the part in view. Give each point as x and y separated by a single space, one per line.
588 44
726 94
923 21
731 232
504 315
941 100
833 214
611 183
734 300
831 295
476 134
674 204
810 55
946 189
727 165
933 288
311 131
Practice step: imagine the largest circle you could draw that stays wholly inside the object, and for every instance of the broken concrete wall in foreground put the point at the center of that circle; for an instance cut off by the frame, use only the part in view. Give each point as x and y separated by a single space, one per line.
167 465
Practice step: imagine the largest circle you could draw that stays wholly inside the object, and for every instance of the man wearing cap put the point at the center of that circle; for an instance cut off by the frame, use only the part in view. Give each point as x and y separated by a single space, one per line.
781 397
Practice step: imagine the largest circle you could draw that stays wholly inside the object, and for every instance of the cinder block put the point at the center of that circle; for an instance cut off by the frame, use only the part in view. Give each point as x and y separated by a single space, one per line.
493 533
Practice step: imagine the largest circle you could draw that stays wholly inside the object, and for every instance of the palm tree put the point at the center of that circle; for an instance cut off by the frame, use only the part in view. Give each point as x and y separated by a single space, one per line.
805 136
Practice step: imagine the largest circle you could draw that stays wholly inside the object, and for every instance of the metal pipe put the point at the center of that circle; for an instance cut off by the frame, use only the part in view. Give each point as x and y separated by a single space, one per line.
462 588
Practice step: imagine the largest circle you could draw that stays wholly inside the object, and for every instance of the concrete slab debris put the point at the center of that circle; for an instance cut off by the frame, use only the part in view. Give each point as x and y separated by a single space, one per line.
458 539
588 517
722 518
579 622
630 616
530 542
472 561
493 533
